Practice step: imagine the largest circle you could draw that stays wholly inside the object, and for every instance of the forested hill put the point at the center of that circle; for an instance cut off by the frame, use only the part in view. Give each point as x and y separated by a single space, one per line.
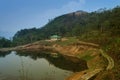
62 25
74 24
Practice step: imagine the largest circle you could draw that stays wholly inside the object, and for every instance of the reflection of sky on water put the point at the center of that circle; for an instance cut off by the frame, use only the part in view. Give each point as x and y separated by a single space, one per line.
14 65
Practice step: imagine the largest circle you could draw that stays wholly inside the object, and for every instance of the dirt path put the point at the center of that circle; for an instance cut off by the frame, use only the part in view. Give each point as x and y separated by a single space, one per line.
109 59
84 75
90 74
87 74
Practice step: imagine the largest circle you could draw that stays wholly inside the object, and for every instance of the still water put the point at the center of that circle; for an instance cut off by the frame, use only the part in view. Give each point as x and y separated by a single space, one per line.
35 66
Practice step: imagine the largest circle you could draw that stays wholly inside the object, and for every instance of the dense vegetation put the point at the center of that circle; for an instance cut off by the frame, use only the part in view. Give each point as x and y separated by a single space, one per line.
75 24
5 43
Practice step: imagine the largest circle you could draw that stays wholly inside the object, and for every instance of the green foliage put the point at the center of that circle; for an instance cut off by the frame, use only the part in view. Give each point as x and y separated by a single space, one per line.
71 40
26 36
103 22
86 55
5 43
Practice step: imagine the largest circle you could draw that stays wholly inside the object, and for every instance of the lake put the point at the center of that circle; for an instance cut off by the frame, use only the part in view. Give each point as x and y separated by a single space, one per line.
36 66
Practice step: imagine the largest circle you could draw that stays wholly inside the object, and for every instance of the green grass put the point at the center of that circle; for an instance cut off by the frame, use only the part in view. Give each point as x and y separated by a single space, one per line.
86 55
71 40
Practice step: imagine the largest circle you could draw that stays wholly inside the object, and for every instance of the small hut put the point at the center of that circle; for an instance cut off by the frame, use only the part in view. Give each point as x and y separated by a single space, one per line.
55 37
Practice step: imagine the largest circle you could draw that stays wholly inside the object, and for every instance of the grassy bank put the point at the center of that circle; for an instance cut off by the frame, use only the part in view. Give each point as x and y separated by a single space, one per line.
110 44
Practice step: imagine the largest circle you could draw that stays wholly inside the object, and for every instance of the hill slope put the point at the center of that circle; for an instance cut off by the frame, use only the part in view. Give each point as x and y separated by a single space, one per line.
74 24
63 25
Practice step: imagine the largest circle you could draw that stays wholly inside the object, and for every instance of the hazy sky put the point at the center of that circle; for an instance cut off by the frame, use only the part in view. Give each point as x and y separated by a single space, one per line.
21 14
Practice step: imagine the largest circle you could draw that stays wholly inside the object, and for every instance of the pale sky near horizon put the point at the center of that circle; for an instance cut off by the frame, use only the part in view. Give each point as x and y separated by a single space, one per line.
21 14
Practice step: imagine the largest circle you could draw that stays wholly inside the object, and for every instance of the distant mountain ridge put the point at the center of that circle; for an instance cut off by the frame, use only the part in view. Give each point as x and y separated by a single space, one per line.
71 24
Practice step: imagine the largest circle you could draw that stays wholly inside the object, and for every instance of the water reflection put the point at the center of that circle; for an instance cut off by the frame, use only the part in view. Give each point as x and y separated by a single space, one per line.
3 54
36 66
60 61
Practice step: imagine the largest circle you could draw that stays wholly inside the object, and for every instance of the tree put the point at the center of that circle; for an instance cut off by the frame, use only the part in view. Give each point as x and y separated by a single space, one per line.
5 43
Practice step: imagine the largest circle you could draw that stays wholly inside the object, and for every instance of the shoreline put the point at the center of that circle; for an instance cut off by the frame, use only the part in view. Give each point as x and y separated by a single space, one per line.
73 51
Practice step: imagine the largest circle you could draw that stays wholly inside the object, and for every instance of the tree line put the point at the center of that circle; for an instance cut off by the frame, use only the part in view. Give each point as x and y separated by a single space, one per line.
79 24
5 42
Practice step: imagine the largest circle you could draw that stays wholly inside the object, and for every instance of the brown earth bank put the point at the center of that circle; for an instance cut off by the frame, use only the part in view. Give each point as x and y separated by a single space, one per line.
97 61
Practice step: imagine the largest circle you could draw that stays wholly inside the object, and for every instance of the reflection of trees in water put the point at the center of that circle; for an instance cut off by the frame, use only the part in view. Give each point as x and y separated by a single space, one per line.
60 61
8 77
3 54
24 72
67 64
33 55
47 78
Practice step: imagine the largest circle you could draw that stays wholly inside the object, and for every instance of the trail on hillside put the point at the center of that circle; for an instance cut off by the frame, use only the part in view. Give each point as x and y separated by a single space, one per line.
109 59
87 74
84 75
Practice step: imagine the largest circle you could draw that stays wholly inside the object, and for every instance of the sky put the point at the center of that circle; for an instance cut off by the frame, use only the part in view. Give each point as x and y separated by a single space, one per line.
21 14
